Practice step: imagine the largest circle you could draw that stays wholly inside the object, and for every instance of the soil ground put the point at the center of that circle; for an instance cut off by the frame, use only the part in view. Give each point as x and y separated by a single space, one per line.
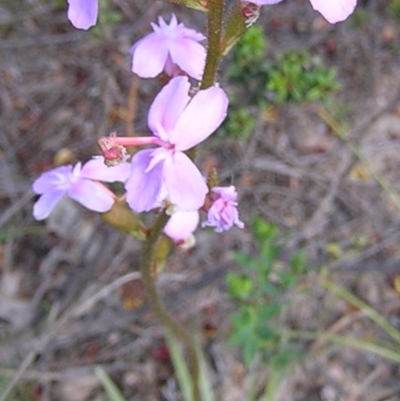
71 296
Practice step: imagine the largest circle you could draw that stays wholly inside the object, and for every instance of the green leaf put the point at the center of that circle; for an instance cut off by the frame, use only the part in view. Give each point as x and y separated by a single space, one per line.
268 255
243 324
263 231
250 350
314 94
245 260
268 311
285 356
298 263
240 335
268 337
269 289
239 286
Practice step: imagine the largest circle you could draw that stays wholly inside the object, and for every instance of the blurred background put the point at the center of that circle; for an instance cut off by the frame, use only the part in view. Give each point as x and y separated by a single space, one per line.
312 144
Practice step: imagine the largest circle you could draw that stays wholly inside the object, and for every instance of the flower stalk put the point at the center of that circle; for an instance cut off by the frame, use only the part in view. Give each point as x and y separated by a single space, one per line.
214 29
168 321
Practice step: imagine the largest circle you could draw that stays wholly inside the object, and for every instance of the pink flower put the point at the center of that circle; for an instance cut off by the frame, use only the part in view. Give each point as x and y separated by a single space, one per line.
170 48
332 10
77 183
223 213
178 123
182 225
83 13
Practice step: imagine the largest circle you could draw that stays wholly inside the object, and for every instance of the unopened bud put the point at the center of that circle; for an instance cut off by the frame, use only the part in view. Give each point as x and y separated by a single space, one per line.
112 152
212 180
250 12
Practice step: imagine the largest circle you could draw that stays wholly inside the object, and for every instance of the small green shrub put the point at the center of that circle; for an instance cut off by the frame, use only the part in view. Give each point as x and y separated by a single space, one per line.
298 77
261 80
259 292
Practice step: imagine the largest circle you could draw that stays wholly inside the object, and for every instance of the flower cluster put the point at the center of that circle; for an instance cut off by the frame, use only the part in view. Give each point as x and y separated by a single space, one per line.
180 117
223 213
178 123
162 176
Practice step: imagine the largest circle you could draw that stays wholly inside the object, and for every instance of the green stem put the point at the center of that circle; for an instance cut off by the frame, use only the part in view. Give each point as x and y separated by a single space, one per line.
157 305
340 132
214 30
347 342
362 306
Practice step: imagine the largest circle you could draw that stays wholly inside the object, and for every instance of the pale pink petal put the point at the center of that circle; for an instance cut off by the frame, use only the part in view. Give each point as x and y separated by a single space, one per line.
181 225
45 204
163 26
227 193
173 23
334 10
184 183
203 115
171 69
57 178
192 34
149 56
96 169
143 189
83 13
189 55
168 106
92 195
158 155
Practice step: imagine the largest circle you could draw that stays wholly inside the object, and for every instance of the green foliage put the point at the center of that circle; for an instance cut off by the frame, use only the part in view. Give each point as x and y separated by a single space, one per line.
108 18
259 291
239 124
394 9
252 46
248 55
260 80
21 392
239 286
291 76
246 71
299 77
